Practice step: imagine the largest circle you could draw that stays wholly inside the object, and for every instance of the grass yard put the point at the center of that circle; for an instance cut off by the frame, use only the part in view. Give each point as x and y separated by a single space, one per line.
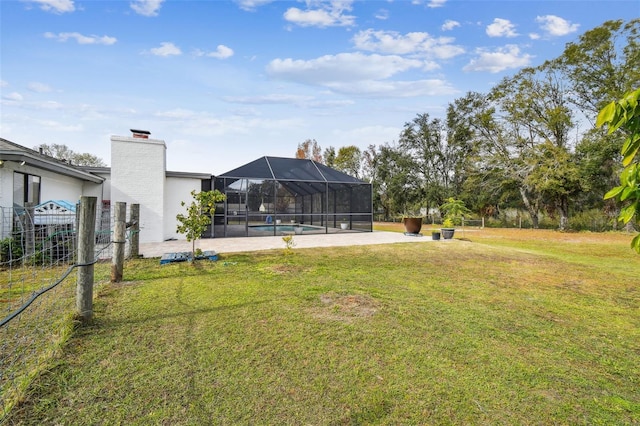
502 327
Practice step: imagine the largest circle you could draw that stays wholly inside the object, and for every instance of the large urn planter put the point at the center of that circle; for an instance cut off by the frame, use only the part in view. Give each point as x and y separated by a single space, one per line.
412 224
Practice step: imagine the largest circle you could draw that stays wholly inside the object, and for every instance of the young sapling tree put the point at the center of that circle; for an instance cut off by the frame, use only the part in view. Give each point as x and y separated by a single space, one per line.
198 215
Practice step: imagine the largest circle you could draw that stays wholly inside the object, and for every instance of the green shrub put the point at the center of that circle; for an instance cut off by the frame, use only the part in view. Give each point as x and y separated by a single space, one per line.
591 220
10 250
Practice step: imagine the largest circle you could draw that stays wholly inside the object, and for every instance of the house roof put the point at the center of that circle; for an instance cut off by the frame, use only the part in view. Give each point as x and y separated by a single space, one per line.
299 175
289 169
10 151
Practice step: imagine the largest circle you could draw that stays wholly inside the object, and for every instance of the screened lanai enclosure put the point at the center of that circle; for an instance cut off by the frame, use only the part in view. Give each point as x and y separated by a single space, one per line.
289 196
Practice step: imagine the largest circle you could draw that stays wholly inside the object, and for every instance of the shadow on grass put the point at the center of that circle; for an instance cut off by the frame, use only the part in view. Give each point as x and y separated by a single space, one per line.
106 323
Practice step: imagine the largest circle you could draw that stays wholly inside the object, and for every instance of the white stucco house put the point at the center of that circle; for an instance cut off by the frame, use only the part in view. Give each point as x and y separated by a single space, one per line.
137 175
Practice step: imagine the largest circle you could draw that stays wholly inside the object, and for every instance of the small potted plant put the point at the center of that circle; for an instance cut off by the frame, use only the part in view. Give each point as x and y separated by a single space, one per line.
453 210
435 234
448 228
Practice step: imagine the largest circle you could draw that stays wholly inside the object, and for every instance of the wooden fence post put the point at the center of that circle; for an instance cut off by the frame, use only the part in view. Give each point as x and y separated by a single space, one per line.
117 262
30 229
86 248
135 231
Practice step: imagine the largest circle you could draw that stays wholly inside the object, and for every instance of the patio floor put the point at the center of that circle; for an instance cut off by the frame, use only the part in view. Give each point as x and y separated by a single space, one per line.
241 244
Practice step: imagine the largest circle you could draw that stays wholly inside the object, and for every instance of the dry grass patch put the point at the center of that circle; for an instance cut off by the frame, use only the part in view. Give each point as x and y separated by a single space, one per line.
345 307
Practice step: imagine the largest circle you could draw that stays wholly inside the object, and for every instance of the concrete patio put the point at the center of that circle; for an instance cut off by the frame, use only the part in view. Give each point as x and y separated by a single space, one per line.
240 244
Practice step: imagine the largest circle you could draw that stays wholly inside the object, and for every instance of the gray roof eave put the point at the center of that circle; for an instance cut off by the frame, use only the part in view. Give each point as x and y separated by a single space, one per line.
193 175
37 161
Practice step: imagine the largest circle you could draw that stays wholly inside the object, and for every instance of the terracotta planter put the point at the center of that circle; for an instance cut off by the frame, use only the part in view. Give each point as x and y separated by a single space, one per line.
412 224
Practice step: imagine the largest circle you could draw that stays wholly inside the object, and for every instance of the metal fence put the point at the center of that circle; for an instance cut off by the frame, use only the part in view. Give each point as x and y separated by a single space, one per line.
38 288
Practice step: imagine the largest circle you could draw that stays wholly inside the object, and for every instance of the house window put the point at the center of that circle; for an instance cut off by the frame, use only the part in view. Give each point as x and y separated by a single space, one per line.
26 189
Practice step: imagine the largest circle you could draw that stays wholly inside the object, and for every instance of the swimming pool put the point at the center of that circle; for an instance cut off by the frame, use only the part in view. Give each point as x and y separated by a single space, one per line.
283 228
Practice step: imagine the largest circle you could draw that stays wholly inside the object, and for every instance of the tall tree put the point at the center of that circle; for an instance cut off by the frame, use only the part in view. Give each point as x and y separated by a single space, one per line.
555 176
64 153
602 65
369 163
349 160
309 149
395 187
499 148
425 141
538 120
329 156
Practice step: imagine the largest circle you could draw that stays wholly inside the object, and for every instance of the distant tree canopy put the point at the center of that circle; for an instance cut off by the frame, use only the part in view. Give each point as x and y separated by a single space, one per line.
310 150
349 160
64 153
530 143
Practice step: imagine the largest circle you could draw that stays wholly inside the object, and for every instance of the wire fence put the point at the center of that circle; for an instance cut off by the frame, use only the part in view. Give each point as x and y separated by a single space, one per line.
592 220
38 261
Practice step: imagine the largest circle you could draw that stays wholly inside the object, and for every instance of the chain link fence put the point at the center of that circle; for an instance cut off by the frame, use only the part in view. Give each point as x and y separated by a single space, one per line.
38 271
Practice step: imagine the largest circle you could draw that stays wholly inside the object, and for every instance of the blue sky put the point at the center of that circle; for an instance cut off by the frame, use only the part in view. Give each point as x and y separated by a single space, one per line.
226 82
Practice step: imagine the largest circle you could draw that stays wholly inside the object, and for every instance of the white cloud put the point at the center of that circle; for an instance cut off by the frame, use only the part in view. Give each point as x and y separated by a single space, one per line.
326 14
449 25
203 123
222 52
146 7
507 57
436 3
534 36
82 39
48 105
14 96
269 99
382 14
251 5
57 126
38 87
166 49
391 42
3 83
556 26
342 67
394 89
501 28
284 99
56 6
359 74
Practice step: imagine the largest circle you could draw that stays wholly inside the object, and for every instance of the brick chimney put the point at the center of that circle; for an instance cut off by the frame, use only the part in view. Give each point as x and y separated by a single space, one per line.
143 134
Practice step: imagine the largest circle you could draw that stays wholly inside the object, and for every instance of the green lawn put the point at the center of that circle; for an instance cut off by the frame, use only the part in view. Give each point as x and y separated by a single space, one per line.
505 327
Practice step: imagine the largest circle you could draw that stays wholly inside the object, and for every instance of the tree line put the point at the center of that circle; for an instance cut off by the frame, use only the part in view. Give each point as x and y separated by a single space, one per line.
530 143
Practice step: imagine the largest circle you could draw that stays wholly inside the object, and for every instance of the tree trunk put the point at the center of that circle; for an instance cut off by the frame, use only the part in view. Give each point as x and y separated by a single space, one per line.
531 209
628 227
563 209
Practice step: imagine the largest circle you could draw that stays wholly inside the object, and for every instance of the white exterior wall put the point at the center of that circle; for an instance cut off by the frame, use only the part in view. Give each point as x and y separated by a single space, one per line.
6 186
57 187
177 190
104 188
6 200
138 176
53 186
